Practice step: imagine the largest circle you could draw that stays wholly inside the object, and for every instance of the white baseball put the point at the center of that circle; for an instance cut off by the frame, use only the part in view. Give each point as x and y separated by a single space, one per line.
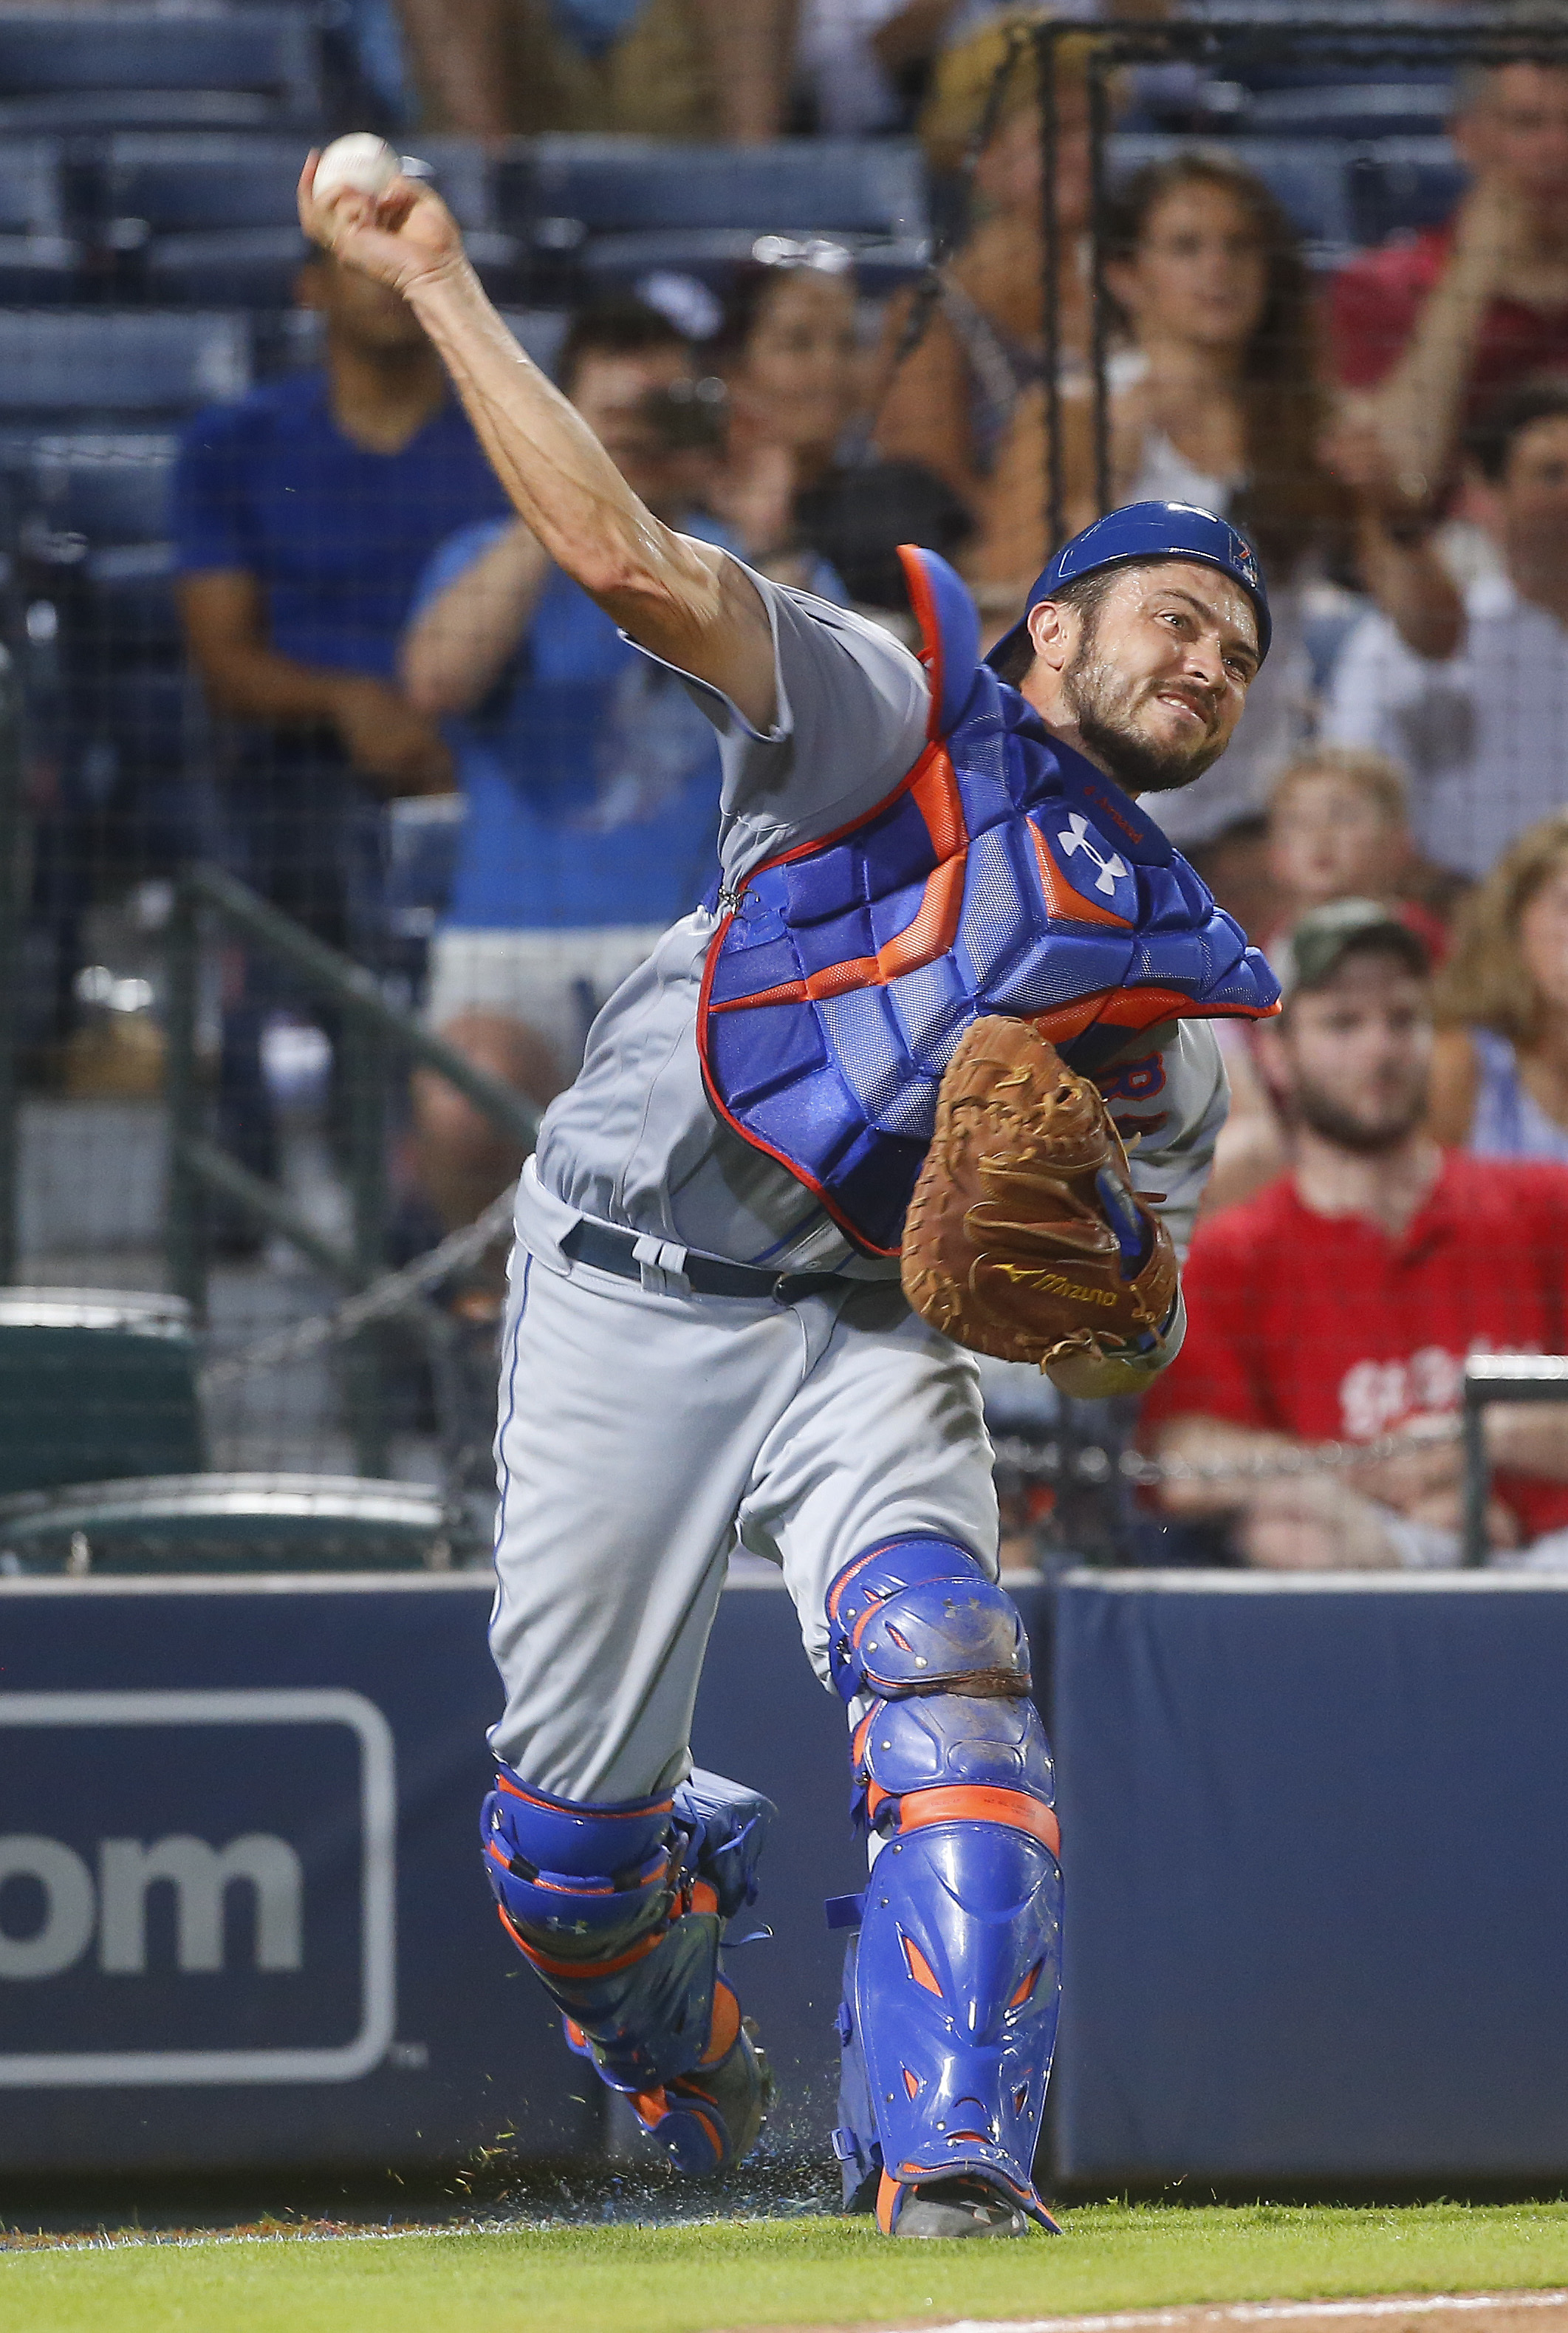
362 164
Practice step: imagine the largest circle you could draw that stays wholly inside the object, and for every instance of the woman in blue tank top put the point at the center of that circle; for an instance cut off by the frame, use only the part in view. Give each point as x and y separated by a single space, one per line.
1501 1077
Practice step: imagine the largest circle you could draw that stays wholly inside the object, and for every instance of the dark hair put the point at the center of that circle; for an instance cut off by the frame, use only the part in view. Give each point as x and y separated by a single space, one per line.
1087 593
1489 439
754 282
613 328
1474 80
1289 496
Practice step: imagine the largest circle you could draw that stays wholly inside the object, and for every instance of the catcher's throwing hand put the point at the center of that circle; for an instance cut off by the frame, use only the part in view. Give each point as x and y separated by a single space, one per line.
1025 1238
404 237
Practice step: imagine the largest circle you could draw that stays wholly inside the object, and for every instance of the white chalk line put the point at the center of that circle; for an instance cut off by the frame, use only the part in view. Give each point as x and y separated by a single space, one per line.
1247 2312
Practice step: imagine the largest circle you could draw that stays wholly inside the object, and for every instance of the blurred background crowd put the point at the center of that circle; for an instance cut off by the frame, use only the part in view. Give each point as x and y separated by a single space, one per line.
267 609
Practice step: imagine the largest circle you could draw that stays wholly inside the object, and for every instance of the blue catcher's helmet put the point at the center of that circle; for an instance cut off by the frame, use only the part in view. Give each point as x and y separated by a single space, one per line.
1151 531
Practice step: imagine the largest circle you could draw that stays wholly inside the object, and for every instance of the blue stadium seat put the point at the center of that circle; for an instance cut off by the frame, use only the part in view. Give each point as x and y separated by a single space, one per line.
81 361
1308 177
167 182
99 504
867 185
163 181
601 211
101 487
540 331
1358 108
201 66
1403 185
40 259
204 218
712 254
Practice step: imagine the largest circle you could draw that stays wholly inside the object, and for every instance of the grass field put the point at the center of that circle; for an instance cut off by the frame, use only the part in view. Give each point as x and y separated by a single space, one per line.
696 2277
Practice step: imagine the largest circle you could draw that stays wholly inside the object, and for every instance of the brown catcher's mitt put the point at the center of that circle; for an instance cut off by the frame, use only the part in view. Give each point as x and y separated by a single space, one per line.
1024 1222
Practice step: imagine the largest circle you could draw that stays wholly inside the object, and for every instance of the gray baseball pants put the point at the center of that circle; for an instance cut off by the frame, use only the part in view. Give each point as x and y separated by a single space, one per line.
643 1437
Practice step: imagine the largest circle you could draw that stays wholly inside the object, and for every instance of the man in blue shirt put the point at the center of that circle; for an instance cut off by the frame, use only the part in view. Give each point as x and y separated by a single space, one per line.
304 515
591 777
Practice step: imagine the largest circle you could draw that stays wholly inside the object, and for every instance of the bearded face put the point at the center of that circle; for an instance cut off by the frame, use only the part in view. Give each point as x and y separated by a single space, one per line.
1157 678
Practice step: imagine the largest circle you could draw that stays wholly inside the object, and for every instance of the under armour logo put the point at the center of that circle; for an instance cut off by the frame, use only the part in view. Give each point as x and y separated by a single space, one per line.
1075 836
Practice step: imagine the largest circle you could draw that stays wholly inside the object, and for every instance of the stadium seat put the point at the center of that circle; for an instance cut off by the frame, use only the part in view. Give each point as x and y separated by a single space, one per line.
94 1385
870 186
712 254
196 66
106 490
227 1524
204 218
1374 109
40 260
66 362
1307 176
595 208
94 534
1403 185
540 331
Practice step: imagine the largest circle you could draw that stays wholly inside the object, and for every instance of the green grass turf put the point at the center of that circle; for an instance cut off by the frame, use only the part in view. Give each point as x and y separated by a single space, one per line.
694 2277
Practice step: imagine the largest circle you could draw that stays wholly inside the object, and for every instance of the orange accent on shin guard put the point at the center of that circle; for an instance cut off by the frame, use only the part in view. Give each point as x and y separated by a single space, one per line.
965 1803
918 1967
725 2027
577 1968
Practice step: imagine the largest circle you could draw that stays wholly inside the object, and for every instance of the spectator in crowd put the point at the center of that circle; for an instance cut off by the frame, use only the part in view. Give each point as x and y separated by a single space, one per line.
591 778
1428 328
947 401
795 483
1340 1303
701 69
304 515
1216 402
1479 731
1337 828
1500 1083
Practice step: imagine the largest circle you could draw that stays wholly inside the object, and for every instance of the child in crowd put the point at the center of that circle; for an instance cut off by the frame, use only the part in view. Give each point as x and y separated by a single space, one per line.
1338 829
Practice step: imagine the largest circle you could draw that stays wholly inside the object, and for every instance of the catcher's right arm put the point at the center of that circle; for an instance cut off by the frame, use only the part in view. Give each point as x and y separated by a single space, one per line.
1026 1238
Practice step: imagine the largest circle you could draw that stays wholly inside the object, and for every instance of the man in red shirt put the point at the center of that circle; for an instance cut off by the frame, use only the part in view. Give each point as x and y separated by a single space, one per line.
1431 326
1340 1303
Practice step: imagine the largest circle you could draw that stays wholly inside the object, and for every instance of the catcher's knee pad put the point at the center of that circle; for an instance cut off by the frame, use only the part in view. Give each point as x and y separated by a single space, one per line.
919 1616
952 1985
619 1911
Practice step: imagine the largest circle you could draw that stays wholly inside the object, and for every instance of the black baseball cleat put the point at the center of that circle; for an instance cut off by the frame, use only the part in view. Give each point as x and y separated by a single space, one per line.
953 2207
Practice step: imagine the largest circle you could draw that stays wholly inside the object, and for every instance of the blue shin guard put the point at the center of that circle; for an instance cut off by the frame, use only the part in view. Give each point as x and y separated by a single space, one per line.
952 1987
619 1910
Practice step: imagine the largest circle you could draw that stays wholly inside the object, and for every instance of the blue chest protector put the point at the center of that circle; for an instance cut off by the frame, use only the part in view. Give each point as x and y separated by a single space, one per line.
1005 873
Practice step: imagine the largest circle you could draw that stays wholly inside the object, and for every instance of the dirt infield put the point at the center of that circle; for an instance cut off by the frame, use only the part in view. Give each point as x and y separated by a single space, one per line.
1447 2312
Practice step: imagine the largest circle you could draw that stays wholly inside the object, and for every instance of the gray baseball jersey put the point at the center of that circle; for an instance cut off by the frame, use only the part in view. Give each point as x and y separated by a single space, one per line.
635 1141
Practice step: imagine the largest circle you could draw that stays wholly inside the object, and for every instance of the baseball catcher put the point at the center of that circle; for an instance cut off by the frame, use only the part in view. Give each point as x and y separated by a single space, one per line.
928 1072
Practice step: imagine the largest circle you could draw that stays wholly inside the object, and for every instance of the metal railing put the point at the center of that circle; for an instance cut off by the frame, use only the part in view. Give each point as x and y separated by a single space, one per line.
375 1034
1492 1378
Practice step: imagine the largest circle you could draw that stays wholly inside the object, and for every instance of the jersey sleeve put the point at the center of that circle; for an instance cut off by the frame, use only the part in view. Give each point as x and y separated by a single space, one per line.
212 513
851 709
1175 1127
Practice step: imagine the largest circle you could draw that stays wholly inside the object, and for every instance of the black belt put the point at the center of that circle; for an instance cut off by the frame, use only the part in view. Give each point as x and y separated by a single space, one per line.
608 1250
